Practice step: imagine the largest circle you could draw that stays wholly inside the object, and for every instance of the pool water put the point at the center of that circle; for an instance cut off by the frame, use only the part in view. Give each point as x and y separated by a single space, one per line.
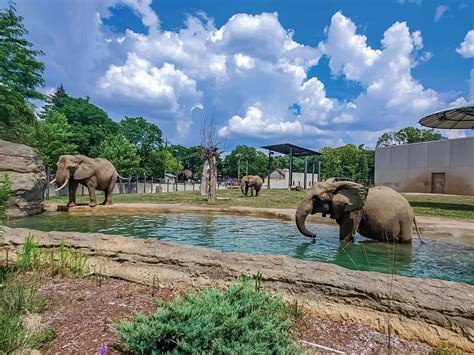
434 259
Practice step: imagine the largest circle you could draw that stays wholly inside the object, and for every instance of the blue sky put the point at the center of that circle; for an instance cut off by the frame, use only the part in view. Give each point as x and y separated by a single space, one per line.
314 73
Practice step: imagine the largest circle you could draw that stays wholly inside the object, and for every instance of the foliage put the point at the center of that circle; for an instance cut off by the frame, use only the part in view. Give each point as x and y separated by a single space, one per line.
66 261
191 157
121 153
144 136
91 125
251 162
5 193
53 138
408 135
239 320
17 297
162 161
20 75
444 350
348 161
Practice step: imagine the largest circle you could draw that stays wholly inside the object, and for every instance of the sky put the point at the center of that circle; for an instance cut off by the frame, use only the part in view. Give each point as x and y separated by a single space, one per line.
312 73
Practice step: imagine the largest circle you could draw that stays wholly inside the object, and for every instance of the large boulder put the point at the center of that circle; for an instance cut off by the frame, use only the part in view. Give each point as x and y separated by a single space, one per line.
25 169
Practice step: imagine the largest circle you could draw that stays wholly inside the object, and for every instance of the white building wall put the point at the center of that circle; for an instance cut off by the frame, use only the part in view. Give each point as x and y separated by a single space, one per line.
410 167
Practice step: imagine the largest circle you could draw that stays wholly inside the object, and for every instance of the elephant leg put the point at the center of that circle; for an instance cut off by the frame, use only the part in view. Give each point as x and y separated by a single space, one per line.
92 198
72 193
246 190
108 193
347 227
257 190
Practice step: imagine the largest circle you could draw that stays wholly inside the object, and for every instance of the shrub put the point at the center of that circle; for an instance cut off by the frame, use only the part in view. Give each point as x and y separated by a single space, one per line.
239 320
5 192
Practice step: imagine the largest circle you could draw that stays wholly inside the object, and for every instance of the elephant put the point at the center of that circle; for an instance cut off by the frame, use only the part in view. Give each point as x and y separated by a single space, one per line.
94 173
378 213
253 182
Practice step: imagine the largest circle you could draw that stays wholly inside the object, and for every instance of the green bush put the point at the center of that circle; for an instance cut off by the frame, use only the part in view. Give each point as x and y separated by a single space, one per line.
5 192
240 320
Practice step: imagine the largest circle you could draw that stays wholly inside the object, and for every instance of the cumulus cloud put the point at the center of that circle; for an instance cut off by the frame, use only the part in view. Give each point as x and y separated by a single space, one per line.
466 49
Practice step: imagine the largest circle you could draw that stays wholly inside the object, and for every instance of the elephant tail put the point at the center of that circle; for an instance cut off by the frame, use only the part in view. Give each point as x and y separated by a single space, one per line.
121 177
417 230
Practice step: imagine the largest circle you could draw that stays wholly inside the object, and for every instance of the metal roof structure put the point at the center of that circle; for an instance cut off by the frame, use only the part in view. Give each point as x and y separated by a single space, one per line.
291 149
451 118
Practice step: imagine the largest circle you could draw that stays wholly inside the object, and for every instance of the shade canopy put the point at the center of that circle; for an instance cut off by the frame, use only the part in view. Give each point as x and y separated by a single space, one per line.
294 150
452 118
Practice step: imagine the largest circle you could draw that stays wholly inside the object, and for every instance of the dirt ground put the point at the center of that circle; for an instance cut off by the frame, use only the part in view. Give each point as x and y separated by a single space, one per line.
83 310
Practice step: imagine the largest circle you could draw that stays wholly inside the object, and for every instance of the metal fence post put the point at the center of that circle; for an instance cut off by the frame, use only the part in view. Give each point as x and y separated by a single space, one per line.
48 174
168 185
151 191
129 184
144 184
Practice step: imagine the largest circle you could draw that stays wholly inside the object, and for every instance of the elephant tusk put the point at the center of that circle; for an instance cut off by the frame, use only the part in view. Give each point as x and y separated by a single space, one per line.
60 188
52 182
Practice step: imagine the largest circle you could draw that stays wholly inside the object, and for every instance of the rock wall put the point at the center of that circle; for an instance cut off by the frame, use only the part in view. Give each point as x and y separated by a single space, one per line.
433 311
27 174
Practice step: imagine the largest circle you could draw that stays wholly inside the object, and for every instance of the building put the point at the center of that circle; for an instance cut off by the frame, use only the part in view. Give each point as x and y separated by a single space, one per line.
445 166
279 178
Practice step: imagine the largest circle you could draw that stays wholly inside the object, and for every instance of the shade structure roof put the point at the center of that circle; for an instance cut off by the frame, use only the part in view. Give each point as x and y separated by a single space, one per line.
452 118
287 148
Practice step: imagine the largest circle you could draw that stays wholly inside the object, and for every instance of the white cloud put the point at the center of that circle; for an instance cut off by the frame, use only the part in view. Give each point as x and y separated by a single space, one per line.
440 11
466 50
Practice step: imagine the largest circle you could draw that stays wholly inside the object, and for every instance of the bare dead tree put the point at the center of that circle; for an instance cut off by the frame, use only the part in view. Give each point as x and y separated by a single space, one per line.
209 149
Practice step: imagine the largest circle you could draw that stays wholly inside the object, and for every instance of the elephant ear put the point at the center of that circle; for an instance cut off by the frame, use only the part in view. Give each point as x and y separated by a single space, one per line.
355 193
85 170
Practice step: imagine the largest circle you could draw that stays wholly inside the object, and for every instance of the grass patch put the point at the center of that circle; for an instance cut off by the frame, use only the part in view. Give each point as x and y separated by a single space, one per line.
424 205
17 297
65 261
243 319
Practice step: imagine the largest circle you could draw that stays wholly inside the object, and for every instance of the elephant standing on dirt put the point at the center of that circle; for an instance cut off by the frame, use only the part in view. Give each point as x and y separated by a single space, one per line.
94 173
378 213
253 182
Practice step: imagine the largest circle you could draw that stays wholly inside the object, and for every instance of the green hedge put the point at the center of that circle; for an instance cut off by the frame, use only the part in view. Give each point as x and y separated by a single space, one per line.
243 319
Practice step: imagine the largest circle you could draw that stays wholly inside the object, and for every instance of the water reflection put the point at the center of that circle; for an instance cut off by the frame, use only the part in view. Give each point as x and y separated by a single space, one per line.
434 259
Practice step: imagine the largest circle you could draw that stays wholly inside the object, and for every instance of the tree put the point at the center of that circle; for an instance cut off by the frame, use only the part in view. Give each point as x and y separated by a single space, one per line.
145 136
54 101
248 158
53 138
348 161
162 161
91 124
121 153
20 75
408 135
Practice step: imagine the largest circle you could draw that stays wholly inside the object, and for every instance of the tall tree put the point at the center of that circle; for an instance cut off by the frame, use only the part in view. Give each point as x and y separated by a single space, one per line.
162 161
121 153
53 138
408 135
20 75
246 160
144 135
348 161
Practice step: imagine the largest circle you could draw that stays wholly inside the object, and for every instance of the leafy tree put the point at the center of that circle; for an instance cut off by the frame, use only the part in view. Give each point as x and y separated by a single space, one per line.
54 101
408 135
91 125
145 136
249 159
163 161
53 137
348 161
20 75
121 153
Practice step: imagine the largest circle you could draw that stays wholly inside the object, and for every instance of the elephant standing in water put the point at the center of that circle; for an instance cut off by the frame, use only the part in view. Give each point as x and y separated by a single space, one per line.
378 213
253 182
94 173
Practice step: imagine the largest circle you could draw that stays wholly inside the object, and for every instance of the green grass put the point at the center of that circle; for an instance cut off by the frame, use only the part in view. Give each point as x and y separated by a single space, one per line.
461 207
244 319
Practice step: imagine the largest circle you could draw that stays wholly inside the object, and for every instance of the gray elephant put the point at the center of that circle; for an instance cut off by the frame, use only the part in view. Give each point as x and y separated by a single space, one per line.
251 182
378 213
94 173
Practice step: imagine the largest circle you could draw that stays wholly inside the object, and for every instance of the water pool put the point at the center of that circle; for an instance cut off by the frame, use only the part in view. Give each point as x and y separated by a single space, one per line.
435 259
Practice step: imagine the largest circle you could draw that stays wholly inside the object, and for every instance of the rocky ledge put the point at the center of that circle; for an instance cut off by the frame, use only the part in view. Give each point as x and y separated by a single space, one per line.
432 311
25 169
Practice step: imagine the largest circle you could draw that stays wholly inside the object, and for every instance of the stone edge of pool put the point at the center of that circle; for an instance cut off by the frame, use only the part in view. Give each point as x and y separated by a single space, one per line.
436 227
433 311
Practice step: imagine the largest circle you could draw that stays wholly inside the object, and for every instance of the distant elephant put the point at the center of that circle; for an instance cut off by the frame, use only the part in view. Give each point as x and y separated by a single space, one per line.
253 182
94 173
378 213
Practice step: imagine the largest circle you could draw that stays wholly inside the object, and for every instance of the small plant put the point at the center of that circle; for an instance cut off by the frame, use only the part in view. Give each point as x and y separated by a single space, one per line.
43 339
444 350
239 320
5 193
29 258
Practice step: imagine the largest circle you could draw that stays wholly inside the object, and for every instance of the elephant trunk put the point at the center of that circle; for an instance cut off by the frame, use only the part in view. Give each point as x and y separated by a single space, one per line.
62 177
303 210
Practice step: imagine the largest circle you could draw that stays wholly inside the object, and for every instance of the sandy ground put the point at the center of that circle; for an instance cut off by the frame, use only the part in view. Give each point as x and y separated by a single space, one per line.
83 311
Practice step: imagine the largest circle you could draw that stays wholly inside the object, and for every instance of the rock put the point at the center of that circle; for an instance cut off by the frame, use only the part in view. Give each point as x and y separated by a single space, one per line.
25 169
432 311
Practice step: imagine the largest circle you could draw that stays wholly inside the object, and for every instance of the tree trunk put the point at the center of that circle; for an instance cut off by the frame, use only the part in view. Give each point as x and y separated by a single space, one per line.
211 198
205 178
